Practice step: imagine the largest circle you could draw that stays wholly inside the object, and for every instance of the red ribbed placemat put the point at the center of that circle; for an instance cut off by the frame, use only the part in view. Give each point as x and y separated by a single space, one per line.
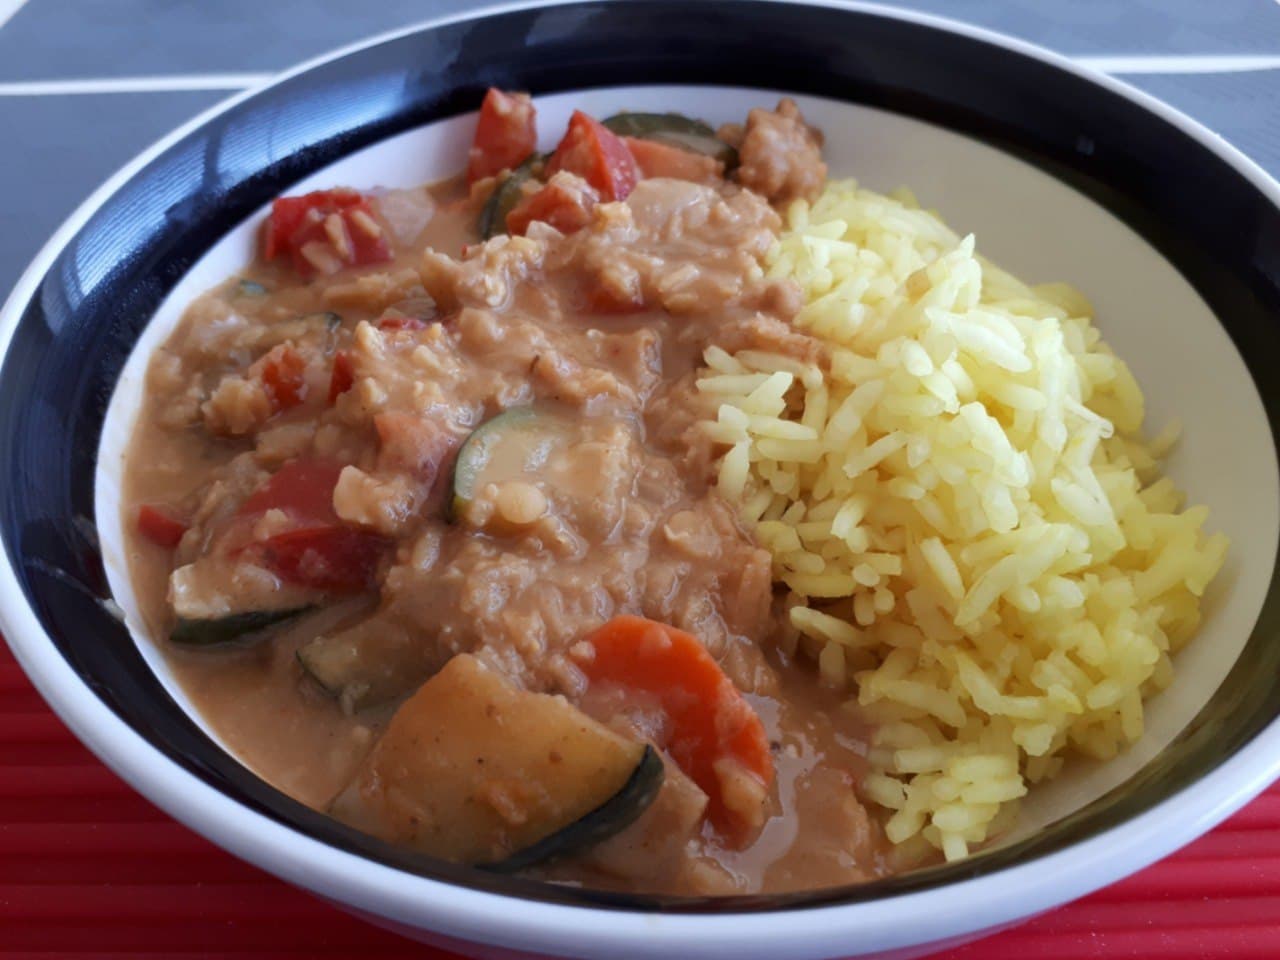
88 869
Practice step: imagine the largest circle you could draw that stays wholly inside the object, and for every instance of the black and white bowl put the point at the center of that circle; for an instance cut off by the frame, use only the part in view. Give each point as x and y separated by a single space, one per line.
1062 174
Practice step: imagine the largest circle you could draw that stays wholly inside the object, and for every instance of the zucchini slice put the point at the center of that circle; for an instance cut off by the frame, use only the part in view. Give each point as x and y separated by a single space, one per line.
374 661
501 449
235 626
493 216
473 770
677 131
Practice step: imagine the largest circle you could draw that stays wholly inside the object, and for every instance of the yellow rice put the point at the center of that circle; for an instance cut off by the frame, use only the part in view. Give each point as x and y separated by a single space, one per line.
978 543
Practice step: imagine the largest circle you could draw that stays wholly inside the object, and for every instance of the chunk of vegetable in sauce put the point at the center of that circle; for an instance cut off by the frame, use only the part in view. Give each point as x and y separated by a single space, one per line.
657 159
493 216
565 202
324 232
475 770
675 130
370 662
215 631
319 550
159 526
506 134
501 450
332 558
302 488
715 736
596 154
284 372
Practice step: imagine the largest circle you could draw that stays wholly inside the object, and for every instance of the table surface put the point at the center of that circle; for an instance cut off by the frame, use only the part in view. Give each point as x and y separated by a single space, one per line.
90 869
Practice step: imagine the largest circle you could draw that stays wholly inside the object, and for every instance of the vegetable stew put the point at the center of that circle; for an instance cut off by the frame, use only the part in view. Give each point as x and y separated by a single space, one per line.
419 505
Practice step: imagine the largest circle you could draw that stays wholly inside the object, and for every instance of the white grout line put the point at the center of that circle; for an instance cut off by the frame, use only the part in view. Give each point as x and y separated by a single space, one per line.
1224 63
168 83
8 8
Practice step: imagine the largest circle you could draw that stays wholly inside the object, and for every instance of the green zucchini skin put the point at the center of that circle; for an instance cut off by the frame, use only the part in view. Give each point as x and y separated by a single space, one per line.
675 130
610 818
474 454
315 658
493 217
369 663
330 319
231 628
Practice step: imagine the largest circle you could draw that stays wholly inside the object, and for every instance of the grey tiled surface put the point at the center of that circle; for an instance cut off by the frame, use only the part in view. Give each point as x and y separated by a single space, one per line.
124 37
58 148
1244 107
66 147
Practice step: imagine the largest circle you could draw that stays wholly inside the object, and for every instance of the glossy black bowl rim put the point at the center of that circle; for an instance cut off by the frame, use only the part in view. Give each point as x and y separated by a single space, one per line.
1245 769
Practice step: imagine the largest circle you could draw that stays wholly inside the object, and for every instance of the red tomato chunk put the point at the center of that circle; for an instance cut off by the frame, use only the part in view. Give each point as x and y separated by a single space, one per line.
505 135
325 231
284 376
322 552
159 527
565 203
596 154
332 558
302 489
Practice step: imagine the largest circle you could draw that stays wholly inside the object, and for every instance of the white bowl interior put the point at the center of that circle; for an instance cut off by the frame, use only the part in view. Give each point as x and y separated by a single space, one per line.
1025 220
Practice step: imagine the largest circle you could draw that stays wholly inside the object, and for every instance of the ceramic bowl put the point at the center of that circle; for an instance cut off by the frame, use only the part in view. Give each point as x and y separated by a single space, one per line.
1061 173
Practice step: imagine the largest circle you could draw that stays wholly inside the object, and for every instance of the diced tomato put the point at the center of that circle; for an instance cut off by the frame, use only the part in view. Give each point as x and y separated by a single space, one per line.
302 489
656 159
596 154
287 214
159 527
565 202
369 244
398 321
296 222
343 377
284 375
714 733
321 551
337 559
505 135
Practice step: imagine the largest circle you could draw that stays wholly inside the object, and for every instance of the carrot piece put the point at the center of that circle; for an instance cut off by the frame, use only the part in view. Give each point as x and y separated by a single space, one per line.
714 732
159 527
